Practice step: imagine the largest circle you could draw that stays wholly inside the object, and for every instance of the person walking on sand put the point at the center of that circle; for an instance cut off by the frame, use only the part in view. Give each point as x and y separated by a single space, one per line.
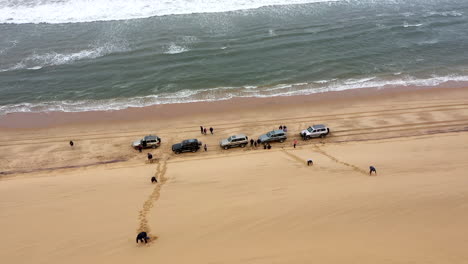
251 142
295 143
153 179
304 136
280 127
285 129
372 169
205 147
140 148
211 130
310 162
255 144
201 129
150 157
204 130
71 143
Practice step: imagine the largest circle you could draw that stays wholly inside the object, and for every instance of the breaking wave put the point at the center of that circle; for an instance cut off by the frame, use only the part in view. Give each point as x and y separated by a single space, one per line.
38 61
226 93
74 11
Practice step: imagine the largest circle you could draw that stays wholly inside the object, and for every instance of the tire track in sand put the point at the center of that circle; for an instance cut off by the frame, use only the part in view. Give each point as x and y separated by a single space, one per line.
154 196
297 158
354 167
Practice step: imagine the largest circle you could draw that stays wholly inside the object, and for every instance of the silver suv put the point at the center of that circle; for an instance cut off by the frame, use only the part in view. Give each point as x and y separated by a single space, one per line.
147 142
239 140
275 135
315 131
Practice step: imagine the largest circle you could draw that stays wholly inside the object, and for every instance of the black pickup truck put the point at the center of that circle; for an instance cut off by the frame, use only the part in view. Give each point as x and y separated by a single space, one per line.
192 145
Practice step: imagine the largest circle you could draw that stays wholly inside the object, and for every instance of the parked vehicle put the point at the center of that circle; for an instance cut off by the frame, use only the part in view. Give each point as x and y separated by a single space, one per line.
315 131
147 142
189 145
275 135
239 140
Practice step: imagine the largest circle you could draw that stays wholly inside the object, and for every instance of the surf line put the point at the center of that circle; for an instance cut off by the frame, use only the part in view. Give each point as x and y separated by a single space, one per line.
154 196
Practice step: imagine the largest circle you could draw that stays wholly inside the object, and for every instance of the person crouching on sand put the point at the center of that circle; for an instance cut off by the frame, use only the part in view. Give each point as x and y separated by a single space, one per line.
142 236
372 169
310 162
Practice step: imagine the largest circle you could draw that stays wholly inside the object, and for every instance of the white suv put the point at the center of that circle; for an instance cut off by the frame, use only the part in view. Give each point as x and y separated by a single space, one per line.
315 131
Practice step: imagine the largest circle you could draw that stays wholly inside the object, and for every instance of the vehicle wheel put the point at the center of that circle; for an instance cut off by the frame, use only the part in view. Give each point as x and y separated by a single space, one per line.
154 146
281 140
322 135
194 150
177 152
226 147
242 146
307 137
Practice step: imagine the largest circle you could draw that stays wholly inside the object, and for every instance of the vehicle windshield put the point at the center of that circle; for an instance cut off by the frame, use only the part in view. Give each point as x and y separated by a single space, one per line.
229 139
310 129
269 134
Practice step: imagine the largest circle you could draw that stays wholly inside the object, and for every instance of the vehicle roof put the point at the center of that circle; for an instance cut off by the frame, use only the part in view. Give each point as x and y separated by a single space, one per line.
318 126
150 137
278 131
190 140
238 136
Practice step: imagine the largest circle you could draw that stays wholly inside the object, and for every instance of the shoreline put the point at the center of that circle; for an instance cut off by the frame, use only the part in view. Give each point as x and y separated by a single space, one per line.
44 120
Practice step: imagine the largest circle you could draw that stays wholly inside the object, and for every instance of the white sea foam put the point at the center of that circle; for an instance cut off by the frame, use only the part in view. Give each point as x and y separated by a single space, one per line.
225 93
406 25
175 49
73 11
445 13
37 61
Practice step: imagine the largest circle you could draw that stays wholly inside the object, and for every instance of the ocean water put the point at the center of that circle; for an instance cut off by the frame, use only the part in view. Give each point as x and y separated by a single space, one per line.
81 55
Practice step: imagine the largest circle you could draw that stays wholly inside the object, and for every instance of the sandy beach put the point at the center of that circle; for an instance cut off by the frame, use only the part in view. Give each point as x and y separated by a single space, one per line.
87 203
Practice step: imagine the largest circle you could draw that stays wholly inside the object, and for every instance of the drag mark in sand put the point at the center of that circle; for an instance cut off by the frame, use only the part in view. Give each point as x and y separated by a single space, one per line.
354 167
143 215
298 159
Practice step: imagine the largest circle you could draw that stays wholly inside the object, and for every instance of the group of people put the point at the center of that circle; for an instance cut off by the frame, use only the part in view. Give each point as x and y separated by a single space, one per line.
284 128
203 130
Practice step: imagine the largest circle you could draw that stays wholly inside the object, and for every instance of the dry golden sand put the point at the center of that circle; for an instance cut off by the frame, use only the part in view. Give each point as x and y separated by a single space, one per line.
246 205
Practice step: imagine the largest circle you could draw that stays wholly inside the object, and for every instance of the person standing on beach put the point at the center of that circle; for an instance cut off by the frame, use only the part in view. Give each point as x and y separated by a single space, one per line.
204 130
372 169
251 142
295 143
281 127
71 143
206 148
150 157
201 129
140 148
255 144
310 162
211 130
